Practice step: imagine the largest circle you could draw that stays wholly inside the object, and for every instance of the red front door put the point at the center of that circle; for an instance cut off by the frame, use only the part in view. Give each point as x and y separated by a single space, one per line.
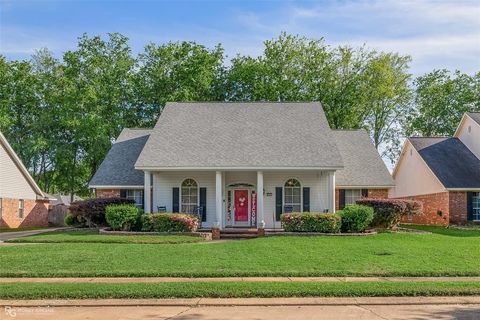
241 205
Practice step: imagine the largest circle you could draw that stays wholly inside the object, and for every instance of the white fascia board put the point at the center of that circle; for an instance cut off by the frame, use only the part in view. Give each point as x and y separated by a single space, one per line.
115 187
237 168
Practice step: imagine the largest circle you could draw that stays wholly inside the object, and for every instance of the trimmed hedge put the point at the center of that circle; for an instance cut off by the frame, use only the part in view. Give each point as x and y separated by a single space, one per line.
91 212
356 218
124 217
70 220
311 222
169 222
388 212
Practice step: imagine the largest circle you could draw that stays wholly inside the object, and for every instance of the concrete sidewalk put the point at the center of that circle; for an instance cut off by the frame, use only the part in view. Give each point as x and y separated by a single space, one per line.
234 279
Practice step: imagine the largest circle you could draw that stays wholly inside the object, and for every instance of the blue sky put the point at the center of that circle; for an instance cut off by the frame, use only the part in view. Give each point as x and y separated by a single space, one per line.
437 34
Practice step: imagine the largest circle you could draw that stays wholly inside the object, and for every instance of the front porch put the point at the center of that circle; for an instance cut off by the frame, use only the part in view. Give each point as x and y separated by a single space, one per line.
240 198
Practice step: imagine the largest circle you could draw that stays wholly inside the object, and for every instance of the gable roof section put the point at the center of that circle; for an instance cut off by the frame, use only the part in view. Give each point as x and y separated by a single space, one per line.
363 166
240 135
8 148
475 116
117 169
450 160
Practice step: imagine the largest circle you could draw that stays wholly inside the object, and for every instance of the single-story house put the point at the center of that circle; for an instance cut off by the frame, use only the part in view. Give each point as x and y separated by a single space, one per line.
242 164
22 203
443 173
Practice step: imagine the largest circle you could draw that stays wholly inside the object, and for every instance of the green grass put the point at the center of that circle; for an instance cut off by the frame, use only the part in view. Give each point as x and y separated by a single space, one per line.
450 231
5 229
233 289
92 236
385 254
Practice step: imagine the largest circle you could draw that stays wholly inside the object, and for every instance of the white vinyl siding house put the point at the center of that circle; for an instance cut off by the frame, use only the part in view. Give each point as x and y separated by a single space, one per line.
237 164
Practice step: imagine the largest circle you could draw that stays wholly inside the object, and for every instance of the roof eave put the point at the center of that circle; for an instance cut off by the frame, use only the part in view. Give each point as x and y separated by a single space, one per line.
238 168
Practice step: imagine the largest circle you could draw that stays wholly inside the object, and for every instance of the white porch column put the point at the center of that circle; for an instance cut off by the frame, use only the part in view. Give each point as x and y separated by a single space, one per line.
260 216
146 193
218 199
331 191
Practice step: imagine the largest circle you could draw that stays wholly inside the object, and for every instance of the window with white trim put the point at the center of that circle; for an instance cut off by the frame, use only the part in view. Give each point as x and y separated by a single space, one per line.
292 196
476 206
189 196
21 208
352 195
135 195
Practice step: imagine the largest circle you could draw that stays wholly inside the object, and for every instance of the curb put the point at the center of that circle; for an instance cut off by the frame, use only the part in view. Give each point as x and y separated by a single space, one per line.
212 302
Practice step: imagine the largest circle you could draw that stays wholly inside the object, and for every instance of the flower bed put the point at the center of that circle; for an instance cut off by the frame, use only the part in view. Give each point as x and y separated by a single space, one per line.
311 222
108 231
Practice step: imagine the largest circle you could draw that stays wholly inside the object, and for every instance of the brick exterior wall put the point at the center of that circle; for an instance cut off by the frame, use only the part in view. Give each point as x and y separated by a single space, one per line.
378 193
35 213
436 209
458 207
441 208
372 193
107 193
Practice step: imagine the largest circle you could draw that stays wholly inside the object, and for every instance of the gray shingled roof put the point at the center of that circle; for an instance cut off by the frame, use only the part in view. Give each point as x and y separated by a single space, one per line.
212 135
450 160
117 169
475 116
363 166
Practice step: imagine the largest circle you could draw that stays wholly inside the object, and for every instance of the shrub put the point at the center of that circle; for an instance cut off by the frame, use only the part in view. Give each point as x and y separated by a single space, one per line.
311 222
356 218
170 222
91 212
388 212
122 216
70 220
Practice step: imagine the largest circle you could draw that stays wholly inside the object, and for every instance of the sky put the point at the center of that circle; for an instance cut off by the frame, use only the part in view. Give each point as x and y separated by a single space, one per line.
437 34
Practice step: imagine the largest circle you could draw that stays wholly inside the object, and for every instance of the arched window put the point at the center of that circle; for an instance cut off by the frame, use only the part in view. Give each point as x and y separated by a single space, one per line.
292 199
189 196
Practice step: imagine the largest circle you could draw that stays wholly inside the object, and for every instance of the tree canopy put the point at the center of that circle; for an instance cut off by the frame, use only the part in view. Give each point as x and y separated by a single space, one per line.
62 115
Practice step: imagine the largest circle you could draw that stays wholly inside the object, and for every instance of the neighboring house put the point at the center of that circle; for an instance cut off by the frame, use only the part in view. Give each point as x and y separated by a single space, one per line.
216 158
59 206
443 173
364 173
22 203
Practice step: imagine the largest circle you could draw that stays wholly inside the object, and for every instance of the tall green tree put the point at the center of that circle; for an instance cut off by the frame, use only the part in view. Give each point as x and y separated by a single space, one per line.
441 98
175 71
387 101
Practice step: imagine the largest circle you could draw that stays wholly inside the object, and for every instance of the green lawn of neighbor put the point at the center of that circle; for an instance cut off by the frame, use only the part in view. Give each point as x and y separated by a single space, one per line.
472 231
233 289
385 254
92 236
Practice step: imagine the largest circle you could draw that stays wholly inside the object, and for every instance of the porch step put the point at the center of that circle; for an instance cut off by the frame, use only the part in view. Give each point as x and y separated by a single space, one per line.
239 233
240 230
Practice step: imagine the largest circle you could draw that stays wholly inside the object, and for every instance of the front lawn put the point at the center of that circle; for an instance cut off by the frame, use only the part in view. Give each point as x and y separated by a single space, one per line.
233 290
92 236
385 254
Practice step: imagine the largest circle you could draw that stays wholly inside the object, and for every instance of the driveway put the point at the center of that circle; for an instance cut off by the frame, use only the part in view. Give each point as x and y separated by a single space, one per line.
18 234
250 308
356 312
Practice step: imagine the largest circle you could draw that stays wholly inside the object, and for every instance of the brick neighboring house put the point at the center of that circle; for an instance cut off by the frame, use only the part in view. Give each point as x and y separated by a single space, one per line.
443 173
241 164
22 203
364 173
